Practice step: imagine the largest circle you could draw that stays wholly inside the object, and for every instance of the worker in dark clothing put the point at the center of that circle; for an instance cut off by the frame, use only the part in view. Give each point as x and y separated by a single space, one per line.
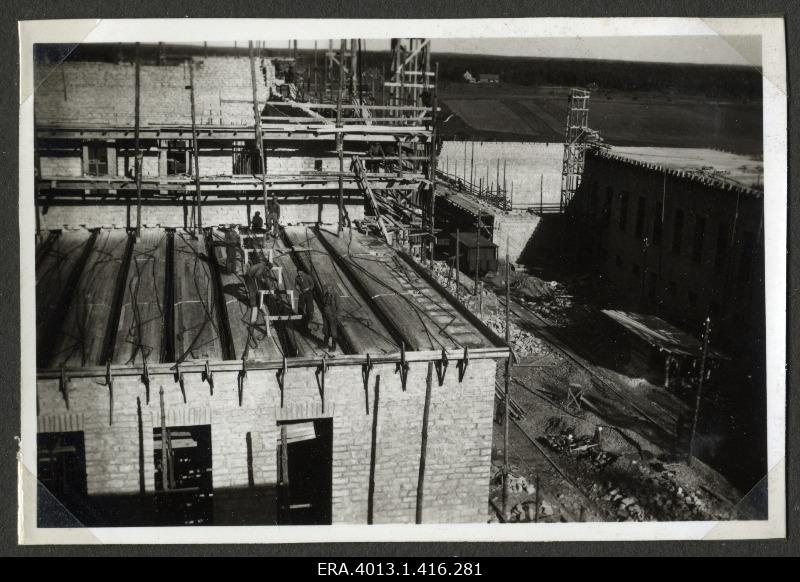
330 316
274 217
257 223
232 249
375 151
304 285
257 278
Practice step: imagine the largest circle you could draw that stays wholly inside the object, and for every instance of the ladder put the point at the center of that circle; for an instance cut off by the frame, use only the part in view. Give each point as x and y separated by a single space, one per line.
361 177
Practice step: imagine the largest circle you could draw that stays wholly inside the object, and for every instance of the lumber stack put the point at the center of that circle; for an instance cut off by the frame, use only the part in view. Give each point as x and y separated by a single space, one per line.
358 322
141 321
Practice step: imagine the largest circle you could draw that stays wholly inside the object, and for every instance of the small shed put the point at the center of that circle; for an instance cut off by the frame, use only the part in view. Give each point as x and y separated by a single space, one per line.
471 245
678 348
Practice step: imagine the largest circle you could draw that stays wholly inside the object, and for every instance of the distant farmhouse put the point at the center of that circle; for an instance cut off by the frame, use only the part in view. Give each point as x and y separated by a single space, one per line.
481 78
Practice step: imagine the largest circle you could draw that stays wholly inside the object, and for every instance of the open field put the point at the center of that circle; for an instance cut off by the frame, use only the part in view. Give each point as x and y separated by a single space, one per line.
517 113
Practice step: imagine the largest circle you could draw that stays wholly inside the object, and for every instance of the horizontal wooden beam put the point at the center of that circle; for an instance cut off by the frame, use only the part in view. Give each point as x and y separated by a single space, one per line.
299 362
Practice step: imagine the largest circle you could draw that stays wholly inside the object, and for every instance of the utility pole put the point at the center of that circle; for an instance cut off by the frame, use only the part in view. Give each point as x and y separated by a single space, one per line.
259 135
706 332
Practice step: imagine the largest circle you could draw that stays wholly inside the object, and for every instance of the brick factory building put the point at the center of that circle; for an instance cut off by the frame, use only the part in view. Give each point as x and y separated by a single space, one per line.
676 243
158 401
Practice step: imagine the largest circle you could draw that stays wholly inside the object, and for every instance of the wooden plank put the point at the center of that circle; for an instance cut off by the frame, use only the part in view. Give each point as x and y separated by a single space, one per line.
196 333
306 346
141 321
238 310
80 340
361 326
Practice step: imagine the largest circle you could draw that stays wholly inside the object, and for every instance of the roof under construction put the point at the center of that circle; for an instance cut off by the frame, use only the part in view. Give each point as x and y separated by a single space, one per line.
104 296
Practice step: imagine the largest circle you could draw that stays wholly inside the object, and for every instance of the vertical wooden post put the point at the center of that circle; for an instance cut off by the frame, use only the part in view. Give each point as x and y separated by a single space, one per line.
424 445
507 392
137 164
477 250
432 168
458 260
196 148
339 135
259 136
472 165
706 331
541 192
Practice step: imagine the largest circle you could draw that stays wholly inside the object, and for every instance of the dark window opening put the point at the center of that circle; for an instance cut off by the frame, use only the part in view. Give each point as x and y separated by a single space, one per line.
183 475
248 161
618 261
177 158
97 159
721 251
61 471
747 244
651 286
623 211
305 472
658 223
677 232
699 235
640 211
318 165
607 206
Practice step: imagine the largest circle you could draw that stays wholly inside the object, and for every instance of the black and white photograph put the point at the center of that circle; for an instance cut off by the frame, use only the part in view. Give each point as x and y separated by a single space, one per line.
489 280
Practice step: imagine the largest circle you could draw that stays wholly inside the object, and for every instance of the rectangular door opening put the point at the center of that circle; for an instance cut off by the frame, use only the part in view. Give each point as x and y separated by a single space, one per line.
184 494
305 472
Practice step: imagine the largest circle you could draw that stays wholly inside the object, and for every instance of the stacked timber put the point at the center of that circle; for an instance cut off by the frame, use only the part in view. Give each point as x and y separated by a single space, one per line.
419 315
80 342
234 301
141 320
53 272
360 325
196 321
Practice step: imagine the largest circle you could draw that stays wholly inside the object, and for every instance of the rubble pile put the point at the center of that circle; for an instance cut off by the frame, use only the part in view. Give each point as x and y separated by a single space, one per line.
517 484
522 342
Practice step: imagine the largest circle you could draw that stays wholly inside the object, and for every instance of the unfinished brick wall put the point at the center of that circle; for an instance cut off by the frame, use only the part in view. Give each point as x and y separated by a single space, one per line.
104 93
323 210
518 229
457 473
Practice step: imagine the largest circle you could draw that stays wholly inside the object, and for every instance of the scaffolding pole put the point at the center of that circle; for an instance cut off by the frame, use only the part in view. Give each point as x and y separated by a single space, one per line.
259 136
432 172
196 148
137 163
339 134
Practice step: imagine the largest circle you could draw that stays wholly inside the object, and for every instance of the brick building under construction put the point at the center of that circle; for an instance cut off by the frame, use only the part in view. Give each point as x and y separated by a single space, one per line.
158 402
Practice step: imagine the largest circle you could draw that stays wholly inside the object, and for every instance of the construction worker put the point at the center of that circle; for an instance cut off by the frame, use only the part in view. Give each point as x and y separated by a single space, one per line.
258 277
304 285
375 151
257 223
232 249
330 316
274 217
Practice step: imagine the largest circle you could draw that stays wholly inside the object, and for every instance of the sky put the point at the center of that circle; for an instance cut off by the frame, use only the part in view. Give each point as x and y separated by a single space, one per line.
730 50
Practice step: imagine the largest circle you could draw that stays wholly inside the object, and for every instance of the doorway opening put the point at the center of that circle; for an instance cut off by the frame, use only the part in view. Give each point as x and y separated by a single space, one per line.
305 472
184 494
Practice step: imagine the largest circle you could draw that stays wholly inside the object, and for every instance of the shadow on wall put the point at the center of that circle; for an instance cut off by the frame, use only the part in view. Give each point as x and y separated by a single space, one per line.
550 247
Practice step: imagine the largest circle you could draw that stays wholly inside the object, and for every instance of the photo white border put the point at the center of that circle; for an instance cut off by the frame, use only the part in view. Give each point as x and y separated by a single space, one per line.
775 104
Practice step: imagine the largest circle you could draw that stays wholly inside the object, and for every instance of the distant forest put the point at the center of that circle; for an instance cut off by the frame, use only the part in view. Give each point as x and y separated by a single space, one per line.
708 80
717 81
